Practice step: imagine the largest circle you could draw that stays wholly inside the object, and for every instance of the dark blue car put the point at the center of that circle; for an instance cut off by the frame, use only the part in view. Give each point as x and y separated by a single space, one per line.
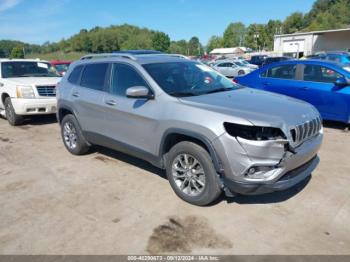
324 84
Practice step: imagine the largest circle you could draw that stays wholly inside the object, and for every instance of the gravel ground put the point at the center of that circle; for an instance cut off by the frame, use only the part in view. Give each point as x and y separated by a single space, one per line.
109 203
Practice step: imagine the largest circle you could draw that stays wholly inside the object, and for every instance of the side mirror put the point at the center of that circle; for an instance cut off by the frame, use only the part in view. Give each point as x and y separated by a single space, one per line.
138 92
341 82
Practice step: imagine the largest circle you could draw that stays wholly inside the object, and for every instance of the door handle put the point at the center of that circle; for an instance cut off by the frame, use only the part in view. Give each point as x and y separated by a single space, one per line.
111 102
75 94
1 84
303 88
266 84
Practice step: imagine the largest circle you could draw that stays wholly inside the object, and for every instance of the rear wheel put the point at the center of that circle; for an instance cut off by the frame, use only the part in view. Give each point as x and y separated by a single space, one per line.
10 113
241 72
72 136
191 174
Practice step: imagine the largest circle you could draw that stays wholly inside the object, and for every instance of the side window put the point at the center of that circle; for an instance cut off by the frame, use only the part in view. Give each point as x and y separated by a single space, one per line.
282 72
94 76
334 58
222 65
123 77
316 73
75 75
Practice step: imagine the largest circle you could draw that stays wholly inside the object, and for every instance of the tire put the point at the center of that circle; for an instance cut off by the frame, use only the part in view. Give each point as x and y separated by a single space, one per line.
11 116
241 72
211 189
72 136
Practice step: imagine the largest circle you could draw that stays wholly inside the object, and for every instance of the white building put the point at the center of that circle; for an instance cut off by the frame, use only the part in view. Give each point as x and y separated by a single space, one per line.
312 42
234 51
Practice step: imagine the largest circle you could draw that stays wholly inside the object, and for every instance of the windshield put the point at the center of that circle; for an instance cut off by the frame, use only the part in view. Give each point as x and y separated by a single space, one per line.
239 64
27 69
62 67
188 79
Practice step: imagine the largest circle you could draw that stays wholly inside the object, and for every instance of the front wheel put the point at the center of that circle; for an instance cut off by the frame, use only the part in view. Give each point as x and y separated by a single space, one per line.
72 136
191 174
11 116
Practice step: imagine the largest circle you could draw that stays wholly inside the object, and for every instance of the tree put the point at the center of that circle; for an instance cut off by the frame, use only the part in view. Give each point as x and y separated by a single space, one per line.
194 46
161 42
17 52
256 37
2 53
234 35
215 42
273 27
179 47
293 23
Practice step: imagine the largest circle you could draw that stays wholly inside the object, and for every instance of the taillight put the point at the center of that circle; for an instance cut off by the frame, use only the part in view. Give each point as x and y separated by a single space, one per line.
234 80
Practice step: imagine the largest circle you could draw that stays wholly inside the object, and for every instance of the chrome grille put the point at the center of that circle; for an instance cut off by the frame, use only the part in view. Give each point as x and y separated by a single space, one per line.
306 130
46 90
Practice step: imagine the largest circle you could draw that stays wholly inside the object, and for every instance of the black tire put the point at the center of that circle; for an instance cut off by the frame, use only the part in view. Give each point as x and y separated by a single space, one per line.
81 146
241 72
11 116
211 190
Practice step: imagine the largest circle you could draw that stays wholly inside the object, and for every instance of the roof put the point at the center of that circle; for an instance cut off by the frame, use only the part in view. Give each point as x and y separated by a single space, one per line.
315 32
308 61
59 62
22 60
140 59
232 50
137 52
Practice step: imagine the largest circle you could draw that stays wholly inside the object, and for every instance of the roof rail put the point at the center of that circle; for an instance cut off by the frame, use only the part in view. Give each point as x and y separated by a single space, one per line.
172 55
105 55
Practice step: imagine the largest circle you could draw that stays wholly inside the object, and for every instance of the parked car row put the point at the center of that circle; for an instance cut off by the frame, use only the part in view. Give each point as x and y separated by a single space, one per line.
209 134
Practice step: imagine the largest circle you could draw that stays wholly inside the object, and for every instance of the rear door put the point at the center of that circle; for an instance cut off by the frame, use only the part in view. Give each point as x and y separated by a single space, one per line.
131 122
281 79
319 90
88 98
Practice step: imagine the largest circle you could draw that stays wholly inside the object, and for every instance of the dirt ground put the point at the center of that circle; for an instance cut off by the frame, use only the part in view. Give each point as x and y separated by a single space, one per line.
108 203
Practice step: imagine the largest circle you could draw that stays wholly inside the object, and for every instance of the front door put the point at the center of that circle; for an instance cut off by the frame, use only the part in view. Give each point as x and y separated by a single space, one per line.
318 89
131 122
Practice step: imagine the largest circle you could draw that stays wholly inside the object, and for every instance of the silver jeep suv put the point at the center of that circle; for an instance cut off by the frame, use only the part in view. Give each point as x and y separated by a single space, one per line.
208 133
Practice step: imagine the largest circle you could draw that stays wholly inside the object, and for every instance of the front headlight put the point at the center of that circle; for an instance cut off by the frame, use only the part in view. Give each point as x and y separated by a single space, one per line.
25 92
256 133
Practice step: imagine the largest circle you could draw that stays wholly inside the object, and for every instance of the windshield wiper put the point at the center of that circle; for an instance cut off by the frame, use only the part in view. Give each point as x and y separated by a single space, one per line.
219 90
183 94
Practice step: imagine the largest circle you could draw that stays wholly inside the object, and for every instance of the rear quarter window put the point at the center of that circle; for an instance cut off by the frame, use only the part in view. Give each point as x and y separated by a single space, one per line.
75 75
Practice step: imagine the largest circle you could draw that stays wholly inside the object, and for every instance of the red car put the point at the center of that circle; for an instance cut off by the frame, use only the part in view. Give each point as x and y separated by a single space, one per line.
61 66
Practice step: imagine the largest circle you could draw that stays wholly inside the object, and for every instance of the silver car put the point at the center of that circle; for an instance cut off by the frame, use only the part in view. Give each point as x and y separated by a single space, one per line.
231 68
209 134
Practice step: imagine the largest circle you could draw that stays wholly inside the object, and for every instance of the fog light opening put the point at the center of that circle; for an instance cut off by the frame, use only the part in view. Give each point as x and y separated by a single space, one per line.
258 172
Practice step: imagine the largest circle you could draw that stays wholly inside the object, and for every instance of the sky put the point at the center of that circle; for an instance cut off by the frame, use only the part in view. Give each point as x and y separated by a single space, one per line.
38 21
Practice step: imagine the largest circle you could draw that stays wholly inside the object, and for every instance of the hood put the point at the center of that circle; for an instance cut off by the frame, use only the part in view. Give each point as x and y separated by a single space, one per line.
35 81
258 107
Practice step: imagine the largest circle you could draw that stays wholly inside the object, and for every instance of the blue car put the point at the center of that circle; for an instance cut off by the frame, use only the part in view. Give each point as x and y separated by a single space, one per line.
324 84
338 57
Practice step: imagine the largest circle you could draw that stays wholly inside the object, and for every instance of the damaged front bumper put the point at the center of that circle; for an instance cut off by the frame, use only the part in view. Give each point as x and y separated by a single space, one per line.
258 167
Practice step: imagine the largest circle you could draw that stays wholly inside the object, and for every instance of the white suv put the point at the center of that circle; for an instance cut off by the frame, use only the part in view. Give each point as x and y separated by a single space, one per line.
27 87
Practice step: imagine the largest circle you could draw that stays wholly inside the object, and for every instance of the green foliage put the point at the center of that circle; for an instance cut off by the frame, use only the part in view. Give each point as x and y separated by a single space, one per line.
6 47
234 35
17 52
194 47
69 56
293 23
215 42
179 47
161 42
